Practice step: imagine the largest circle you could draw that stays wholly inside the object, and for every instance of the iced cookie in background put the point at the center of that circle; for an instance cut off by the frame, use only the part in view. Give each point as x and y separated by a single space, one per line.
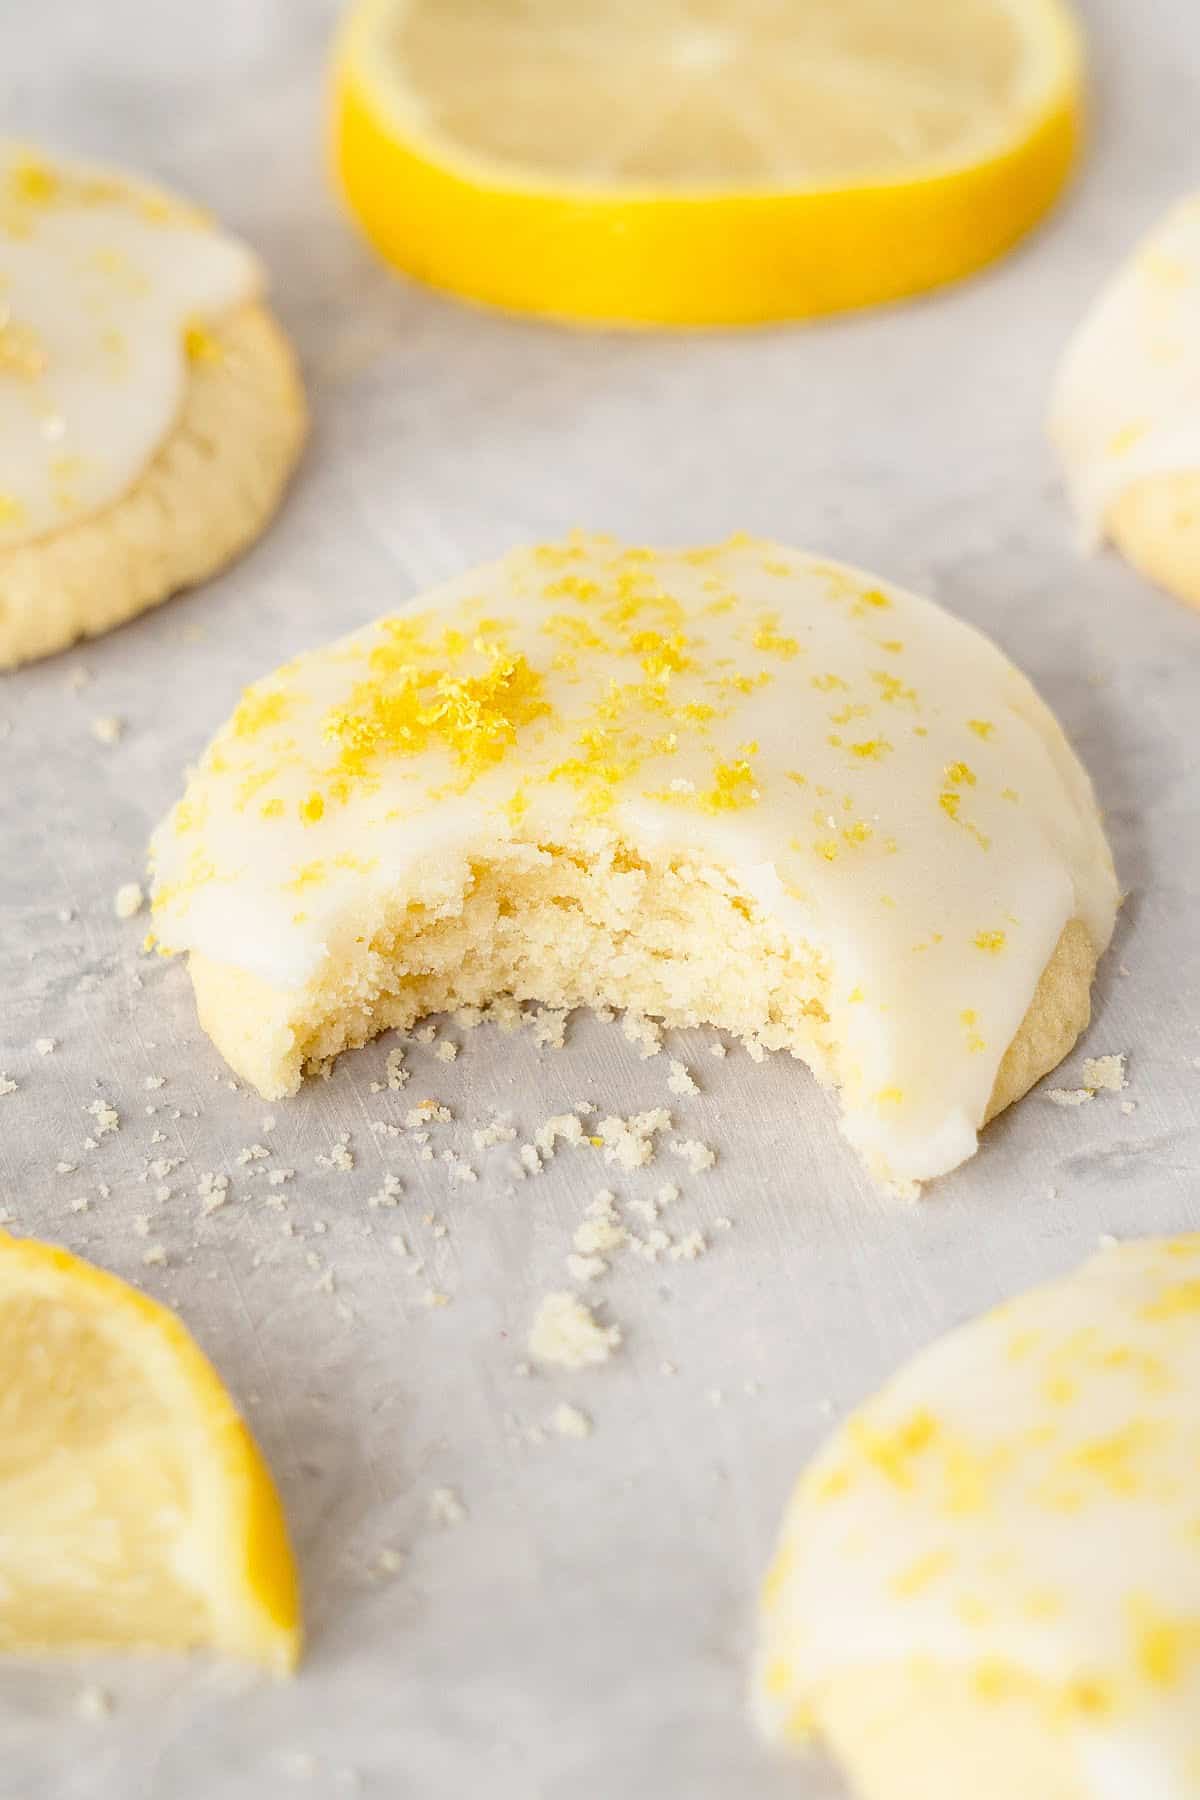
1125 418
150 408
988 1581
138 1512
736 785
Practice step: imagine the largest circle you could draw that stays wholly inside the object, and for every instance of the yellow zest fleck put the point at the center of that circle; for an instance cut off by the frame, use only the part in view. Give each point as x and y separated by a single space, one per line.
983 728
199 344
871 749
1112 1459
34 181
409 710
844 714
889 1096
892 1452
272 809
950 802
516 806
827 848
920 1573
855 996
734 787
21 352
574 630
661 655
312 808
11 510
772 642
828 684
892 645
1179 1300
969 1018
1089 1695
257 709
875 598
1010 793
1124 440
993 941
960 774
746 684
571 587
310 874
892 689
1162 1646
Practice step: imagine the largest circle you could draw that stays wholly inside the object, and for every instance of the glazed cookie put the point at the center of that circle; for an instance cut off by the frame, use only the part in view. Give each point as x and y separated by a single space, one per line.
1126 411
988 1582
735 785
150 409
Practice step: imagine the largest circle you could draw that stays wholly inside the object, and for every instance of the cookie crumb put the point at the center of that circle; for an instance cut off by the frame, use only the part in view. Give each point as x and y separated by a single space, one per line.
94 1703
128 899
1105 1073
630 1142
567 1332
696 1155
570 1422
445 1507
679 1080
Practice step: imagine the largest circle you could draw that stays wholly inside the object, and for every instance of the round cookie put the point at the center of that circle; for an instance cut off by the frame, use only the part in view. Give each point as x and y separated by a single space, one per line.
737 785
1126 411
988 1581
150 408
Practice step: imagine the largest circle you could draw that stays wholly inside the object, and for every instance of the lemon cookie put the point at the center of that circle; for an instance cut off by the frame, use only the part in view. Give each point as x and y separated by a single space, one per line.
150 410
737 784
988 1582
1126 411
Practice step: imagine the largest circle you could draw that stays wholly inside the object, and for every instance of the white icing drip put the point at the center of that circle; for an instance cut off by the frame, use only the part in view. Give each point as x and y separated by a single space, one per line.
919 816
1127 398
1023 1495
100 278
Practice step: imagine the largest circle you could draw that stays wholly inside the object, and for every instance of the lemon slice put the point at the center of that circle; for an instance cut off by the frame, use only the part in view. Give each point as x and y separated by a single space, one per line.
701 161
135 1509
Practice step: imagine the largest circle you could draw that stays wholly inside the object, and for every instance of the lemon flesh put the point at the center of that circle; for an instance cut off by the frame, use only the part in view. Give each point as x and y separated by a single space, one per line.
701 161
135 1509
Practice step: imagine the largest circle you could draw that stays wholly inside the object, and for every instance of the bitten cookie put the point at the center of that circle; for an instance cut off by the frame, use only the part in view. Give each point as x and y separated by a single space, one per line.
737 785
988 1582
1126 411
150 408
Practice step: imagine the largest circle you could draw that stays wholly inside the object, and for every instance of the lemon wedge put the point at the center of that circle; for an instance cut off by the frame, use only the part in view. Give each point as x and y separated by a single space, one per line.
701 161
135 1509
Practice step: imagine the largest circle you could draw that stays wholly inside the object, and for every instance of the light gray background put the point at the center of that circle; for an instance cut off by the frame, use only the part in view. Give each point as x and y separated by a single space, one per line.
585 1631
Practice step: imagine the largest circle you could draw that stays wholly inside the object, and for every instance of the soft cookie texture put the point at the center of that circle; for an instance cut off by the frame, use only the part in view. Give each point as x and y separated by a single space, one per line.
1126 411
988 1582
736 785
150 409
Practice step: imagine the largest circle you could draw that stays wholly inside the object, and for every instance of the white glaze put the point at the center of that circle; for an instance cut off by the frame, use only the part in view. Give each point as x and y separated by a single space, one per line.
101 279
938 839
1023 1497
1127 398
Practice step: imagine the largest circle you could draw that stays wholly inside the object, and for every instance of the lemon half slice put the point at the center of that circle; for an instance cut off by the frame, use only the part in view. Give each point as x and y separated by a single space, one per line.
135 1509
701 161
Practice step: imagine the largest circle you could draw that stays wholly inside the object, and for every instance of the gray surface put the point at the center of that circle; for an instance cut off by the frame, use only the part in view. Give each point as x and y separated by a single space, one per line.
585 1630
